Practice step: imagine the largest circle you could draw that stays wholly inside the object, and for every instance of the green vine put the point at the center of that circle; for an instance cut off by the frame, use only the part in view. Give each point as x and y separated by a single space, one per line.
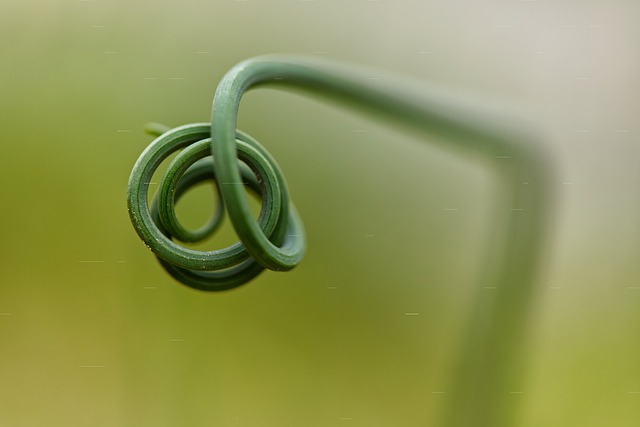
488 370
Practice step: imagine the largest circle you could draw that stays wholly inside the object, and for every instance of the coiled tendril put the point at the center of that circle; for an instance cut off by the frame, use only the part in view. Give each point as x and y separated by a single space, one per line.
276 241
158 225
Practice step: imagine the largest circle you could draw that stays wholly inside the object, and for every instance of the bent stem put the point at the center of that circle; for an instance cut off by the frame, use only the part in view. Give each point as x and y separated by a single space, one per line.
488 373
487 378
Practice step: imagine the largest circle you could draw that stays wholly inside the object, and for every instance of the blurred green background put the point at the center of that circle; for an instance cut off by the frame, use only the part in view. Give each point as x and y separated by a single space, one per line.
94 332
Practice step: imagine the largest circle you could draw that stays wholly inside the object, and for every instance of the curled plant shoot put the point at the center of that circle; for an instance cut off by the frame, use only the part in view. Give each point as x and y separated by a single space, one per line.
488 369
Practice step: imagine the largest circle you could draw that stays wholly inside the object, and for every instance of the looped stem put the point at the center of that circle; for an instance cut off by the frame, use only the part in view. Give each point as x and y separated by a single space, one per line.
158 227
488 367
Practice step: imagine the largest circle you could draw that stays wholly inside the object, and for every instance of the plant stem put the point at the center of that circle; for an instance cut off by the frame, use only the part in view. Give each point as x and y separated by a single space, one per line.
487 380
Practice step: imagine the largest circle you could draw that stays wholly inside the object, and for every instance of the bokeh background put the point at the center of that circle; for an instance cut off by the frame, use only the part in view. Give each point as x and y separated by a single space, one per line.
93 332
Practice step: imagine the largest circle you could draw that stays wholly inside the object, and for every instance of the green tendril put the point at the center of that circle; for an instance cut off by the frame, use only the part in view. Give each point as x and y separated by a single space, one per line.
158 227
276 241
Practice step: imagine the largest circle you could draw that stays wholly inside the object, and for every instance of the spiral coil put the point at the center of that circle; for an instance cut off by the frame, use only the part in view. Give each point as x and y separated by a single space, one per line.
158 226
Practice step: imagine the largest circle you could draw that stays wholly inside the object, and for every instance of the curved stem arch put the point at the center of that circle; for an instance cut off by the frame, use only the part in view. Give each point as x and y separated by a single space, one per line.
488 374
487 377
